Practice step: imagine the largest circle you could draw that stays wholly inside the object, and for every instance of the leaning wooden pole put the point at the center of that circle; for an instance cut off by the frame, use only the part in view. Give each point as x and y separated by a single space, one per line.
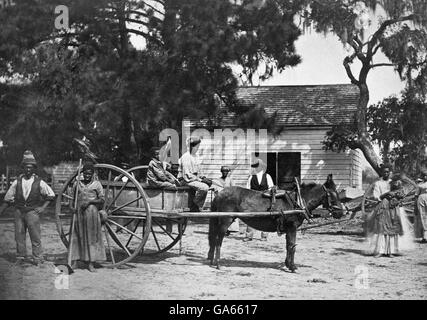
73 220
324 224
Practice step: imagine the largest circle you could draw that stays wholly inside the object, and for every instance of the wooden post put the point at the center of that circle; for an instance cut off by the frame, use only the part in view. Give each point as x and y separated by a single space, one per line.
70 247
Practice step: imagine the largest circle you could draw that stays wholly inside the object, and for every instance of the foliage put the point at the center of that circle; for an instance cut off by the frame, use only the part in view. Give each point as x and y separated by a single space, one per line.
401 36
90 81
398 126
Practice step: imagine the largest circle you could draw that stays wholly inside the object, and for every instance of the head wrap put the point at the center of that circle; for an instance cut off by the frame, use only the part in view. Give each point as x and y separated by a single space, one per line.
88 166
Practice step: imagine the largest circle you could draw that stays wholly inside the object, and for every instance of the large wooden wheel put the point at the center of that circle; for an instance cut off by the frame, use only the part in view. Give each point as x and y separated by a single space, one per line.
165 232
128 223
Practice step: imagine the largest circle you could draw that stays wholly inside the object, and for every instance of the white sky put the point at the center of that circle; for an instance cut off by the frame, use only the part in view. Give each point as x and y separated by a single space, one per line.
322 58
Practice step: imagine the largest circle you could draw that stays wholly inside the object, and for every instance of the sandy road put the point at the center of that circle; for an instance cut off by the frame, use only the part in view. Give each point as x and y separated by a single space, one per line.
329 260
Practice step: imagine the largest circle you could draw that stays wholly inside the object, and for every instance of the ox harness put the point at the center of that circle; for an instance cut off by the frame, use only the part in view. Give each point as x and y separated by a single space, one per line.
297 203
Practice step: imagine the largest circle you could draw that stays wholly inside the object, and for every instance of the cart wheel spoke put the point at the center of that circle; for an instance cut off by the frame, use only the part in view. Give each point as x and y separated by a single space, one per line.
117 195
107 237
161 227
155 239
125 205
125 229
116 239
134 230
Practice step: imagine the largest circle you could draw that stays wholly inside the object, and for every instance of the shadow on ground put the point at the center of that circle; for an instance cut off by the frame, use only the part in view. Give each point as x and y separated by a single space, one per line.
355 251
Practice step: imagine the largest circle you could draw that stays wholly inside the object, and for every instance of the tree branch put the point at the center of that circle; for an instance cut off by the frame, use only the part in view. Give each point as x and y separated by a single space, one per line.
381 65
346 63
382 28
376 49
154 8
357 46
140 13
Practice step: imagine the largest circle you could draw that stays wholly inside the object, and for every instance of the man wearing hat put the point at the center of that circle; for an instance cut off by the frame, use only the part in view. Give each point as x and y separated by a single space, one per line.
190 173
260 181
157 176
30 196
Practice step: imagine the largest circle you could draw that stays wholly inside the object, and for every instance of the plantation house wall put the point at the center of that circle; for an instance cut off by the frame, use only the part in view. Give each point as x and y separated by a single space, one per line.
316 163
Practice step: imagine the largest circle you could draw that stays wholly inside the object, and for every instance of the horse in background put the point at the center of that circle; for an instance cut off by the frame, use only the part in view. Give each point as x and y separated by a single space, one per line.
237 199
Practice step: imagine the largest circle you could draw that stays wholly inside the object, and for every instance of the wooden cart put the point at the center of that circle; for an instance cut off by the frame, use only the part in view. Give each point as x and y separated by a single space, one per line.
141 220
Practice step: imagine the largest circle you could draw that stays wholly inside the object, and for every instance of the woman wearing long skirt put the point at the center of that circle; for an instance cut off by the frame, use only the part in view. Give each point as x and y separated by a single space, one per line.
88 243
420 219
387 224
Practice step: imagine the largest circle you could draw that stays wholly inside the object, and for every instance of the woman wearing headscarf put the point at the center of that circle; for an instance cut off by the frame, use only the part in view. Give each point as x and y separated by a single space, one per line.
387 224
88 245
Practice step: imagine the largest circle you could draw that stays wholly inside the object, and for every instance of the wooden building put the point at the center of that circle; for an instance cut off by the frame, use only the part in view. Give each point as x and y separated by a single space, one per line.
305 113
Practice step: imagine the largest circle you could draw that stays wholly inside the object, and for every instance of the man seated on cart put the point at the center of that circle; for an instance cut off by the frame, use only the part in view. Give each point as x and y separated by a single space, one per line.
157 176
190 173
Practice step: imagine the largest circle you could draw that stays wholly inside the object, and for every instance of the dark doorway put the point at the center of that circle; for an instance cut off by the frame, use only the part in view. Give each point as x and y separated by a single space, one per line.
283 167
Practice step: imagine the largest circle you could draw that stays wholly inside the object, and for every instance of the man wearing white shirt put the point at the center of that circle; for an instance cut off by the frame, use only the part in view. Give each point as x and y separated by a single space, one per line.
30 196
190 174
260 181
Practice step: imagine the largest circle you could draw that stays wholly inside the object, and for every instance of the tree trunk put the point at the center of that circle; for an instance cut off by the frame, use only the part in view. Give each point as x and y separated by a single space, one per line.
364 143
126 118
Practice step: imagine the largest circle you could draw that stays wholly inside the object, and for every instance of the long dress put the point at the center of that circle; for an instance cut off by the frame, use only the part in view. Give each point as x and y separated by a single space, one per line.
387 224
420 219
88 243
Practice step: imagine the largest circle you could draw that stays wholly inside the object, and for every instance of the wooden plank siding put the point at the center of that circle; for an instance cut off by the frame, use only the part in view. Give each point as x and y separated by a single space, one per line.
316 163
61 173
357 168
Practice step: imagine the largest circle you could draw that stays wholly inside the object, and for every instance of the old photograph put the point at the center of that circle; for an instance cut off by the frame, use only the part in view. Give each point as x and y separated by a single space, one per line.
207 150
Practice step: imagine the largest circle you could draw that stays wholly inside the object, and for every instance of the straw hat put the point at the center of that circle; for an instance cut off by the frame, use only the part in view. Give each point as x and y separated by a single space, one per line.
258 163
28 158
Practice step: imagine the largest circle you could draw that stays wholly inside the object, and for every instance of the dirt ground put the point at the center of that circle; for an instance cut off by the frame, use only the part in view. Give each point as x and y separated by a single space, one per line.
331 265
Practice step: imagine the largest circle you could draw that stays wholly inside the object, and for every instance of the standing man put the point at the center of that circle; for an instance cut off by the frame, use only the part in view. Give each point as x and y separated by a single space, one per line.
223 182
259 181
30 196
190 173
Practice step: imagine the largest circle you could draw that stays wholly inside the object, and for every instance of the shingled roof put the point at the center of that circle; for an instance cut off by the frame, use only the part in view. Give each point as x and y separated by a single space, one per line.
308 105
